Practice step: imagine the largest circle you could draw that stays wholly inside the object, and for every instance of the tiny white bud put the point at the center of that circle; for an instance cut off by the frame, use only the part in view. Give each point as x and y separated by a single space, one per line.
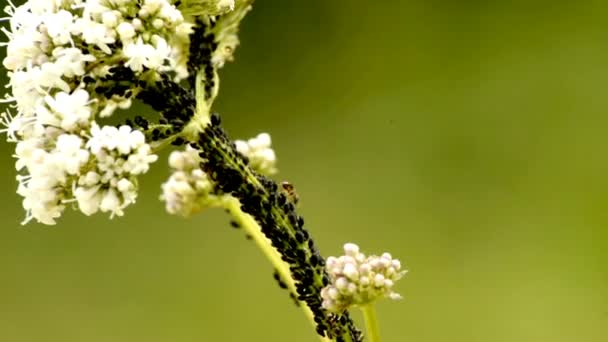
350 270
351 249
242 147
89 179
360 257
378 280
158 23
137 24
351 289
347 259
126 31
331 261
176 160
268 156
109 18
124 185
376 264
263 140
342 283
143 13
365 268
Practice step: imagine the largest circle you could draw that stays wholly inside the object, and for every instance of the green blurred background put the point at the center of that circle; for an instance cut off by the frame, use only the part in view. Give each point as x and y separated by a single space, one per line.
468 138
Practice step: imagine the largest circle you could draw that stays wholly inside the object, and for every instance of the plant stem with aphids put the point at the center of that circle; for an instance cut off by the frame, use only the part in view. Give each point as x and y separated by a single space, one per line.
72 62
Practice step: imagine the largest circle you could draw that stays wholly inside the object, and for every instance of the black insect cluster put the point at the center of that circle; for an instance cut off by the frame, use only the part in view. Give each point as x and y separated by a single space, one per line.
259 196
262 199
202 46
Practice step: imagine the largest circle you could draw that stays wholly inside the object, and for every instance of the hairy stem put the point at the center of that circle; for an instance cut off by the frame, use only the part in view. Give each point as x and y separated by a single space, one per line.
371 322
251 227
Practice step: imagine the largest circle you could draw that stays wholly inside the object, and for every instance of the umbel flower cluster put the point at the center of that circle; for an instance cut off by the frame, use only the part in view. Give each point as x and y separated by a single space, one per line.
73 63
61 55
358 280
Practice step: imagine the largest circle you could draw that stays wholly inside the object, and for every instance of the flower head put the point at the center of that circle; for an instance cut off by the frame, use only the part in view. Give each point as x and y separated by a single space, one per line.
73 62
62 56
188 190
357 279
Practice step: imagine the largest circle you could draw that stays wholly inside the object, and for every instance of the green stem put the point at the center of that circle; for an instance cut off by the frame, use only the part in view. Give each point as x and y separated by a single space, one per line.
251 227
371 322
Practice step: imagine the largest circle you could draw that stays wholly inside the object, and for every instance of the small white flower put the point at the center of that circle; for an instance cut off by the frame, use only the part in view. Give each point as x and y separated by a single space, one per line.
71 61
69 151
25 91
59 26
162 51
138 54
111 203
95 33
89 199
110 19
71 109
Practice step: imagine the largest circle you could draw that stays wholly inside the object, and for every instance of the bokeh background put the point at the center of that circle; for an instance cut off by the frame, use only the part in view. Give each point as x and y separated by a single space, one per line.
468 138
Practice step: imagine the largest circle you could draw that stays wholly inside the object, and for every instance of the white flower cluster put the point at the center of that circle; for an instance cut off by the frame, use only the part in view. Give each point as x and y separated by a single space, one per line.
58 53
188 189
99 174
120 154
259 152
357 279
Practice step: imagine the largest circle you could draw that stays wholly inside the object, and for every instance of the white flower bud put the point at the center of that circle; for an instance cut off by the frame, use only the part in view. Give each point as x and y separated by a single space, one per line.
331 262
342 284
110 19
365 268
126 31
351 249
124 185
379 280
158 23
350 270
